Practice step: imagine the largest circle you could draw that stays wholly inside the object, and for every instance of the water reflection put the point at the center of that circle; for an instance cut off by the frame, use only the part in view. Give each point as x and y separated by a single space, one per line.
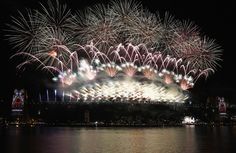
131 140
118 140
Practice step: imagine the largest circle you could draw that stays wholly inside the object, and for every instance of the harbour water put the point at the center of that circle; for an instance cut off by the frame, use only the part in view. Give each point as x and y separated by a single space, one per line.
189 139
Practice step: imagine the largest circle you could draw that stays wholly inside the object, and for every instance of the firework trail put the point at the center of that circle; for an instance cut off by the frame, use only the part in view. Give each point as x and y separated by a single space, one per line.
118 51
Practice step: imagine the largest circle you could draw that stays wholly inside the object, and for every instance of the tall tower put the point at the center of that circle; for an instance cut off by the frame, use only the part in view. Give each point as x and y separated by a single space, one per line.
222 105
18 102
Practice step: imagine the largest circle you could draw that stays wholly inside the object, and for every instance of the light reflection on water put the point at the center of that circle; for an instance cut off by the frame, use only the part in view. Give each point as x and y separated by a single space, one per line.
118 140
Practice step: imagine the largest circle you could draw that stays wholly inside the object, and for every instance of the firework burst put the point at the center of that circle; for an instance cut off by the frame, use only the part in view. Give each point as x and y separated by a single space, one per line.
119 52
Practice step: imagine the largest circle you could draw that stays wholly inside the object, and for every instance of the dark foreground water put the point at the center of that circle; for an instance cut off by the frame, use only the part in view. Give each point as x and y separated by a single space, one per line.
118 140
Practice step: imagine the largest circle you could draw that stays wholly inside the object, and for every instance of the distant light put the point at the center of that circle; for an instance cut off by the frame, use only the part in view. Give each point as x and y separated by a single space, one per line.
188 120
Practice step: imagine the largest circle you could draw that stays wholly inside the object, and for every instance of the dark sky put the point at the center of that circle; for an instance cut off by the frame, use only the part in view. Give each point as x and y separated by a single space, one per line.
215 19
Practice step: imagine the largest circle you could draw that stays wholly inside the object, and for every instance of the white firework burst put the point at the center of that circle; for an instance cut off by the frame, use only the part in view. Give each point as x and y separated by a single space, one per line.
120 41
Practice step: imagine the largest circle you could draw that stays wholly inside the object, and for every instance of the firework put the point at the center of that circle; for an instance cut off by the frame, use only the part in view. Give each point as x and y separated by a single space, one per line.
118 52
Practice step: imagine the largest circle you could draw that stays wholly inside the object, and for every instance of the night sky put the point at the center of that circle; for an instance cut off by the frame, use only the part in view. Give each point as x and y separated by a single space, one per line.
215 19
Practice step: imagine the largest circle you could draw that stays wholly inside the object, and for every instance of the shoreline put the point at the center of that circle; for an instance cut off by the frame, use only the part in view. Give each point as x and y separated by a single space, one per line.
114 125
